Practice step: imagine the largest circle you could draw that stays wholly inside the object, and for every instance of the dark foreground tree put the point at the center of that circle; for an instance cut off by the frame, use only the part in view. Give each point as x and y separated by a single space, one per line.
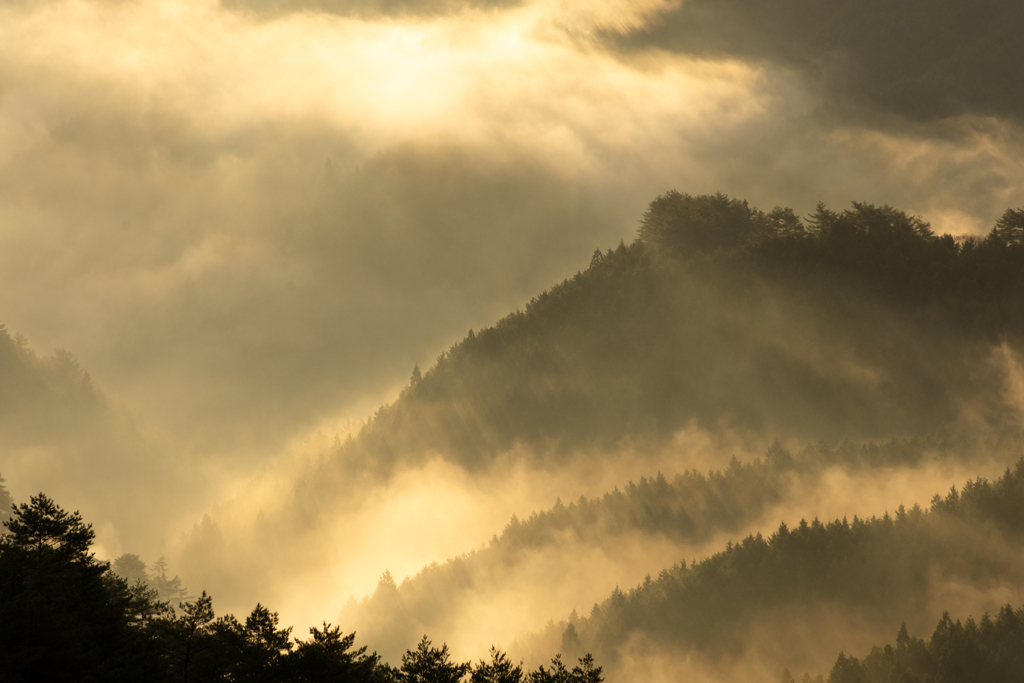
586 672
499 670
328 656
434 665
428 664
63 615
186 643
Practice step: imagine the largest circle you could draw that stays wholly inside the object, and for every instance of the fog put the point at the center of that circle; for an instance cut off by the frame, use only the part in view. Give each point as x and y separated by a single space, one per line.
167 215
230 229
494 599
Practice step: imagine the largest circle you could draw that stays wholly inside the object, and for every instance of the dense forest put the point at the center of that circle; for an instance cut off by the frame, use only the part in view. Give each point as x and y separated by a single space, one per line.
876 570
833 327
990 650
45 395
711 315
70 617
875 344
690 508
859 324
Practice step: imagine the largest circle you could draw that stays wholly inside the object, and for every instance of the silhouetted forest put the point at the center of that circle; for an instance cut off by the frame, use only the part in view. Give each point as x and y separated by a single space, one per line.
69 617
639 343
689 508
132 569
990 650
858 324
50 396
882 568
858 327
6 501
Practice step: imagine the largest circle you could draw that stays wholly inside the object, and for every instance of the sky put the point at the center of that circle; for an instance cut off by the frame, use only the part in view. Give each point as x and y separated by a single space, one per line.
250 219
247 218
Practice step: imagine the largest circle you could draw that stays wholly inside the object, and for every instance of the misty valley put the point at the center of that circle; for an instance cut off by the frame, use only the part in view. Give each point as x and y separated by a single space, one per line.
746 446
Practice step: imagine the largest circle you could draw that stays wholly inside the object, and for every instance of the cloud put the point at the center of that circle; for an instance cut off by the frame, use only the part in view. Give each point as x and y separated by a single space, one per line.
167 213
269 9
919 60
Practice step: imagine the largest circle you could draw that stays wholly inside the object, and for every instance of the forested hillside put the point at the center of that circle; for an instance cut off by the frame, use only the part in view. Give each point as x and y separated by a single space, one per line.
859 324
854 324
830 577
68 617
60 432
49 395
687 510
860 328
675 326
990 650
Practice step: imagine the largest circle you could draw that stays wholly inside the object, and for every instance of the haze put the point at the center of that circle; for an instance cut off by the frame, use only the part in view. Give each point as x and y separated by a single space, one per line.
230 229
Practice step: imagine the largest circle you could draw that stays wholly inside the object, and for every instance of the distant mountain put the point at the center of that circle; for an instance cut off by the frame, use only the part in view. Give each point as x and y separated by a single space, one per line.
48 398
786 594
861 324
688 509
61 433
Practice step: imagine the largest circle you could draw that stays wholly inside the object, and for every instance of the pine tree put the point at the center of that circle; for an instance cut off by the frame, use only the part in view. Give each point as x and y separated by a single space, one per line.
65 616
428 664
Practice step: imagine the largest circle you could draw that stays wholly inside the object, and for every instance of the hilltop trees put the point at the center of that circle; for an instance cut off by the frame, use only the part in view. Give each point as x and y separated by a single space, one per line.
328 656
686 509
718 314
428 664
714 313
681 223
875 248
131 568
859 323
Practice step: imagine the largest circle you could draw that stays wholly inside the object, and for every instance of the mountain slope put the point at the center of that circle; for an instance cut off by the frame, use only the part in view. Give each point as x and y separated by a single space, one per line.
859 324
59 432
832 579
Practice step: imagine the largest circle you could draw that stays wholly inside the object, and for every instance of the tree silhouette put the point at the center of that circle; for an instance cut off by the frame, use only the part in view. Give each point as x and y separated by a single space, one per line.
187 645
328 657
499 670
990 650
1009 229
428 664
65 617
585 672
